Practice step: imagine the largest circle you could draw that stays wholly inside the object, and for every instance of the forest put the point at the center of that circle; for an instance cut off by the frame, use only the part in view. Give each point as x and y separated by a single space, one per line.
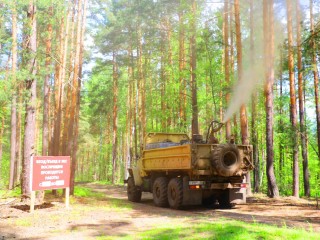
89 78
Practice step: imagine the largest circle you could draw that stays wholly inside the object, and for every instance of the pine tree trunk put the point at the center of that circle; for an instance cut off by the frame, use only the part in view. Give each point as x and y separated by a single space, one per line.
13 139
58 93
293 107
141 90
163 78
226 60
254 132
301 106
46 90
243 114
268 35
315 76
115 118
30 123
72 130
193 67
66 118
169 76
182 66
235 129
281 127
1 142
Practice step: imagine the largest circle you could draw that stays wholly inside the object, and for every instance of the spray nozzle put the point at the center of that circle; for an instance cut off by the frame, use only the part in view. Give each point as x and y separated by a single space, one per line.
214 127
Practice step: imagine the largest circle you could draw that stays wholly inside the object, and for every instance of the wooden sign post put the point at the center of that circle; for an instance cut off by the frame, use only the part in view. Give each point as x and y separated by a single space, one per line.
49 172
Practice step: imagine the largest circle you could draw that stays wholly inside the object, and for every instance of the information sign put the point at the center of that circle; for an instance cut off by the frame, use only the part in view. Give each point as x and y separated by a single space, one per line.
50 172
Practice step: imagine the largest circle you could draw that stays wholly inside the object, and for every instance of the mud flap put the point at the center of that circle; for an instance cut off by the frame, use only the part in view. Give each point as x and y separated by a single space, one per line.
136 176
191 197
237 195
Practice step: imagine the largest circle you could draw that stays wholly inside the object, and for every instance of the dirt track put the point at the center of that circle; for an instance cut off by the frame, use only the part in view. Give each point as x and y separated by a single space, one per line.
115 216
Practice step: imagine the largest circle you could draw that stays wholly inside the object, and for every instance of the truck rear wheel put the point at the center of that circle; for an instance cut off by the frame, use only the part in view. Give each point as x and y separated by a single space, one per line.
160 192
133 192
175 193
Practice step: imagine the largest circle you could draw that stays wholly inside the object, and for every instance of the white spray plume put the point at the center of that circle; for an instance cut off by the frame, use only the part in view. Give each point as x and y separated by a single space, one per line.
243 90
254 74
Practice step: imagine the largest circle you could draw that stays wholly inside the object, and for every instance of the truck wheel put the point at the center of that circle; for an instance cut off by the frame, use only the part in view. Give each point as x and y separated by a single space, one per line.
226 159
175 193
160 192
133 192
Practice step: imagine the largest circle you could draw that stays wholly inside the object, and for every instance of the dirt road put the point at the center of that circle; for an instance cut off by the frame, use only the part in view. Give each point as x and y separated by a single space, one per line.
114 216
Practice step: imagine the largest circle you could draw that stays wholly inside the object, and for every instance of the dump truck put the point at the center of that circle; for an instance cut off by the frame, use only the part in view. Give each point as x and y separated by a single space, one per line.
180 171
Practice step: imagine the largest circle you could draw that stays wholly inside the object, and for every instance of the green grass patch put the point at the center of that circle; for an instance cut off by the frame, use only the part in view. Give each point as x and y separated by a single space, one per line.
219 229
10 193
87 192
227 229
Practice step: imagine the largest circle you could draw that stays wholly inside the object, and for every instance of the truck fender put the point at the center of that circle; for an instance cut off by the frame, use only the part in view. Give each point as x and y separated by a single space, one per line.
136 176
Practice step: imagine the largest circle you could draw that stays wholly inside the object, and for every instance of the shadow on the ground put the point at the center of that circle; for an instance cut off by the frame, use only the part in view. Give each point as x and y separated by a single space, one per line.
26 207
103 228
252 212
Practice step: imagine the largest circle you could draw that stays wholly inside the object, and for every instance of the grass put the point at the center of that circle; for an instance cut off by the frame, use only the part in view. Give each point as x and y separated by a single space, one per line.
219 229
87 192
10 193
224 229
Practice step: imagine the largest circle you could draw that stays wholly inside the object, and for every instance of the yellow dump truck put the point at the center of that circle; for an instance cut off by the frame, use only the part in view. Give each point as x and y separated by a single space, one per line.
180 171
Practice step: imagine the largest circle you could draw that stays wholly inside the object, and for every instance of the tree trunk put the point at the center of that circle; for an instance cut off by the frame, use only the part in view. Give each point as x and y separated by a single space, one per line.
1 142
243 114
293 107
169 76
254 132
193 67
163 84
46 90
66 119
226 60
115 118
315 76
13 146
30 123
72 128
281 126
13 141
182 66
58 93
268 35
141 90
301 106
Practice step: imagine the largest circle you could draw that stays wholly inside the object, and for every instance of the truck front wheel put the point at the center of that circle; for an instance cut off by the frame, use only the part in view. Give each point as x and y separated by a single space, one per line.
175 193
160 192
133 192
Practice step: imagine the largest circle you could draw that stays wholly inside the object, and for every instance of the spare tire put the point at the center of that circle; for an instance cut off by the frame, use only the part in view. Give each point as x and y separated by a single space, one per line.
226 159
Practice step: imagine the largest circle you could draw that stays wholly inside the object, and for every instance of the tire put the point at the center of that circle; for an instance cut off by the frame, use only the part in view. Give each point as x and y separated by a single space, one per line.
175 193
160 192
134 193
226 159
224 201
